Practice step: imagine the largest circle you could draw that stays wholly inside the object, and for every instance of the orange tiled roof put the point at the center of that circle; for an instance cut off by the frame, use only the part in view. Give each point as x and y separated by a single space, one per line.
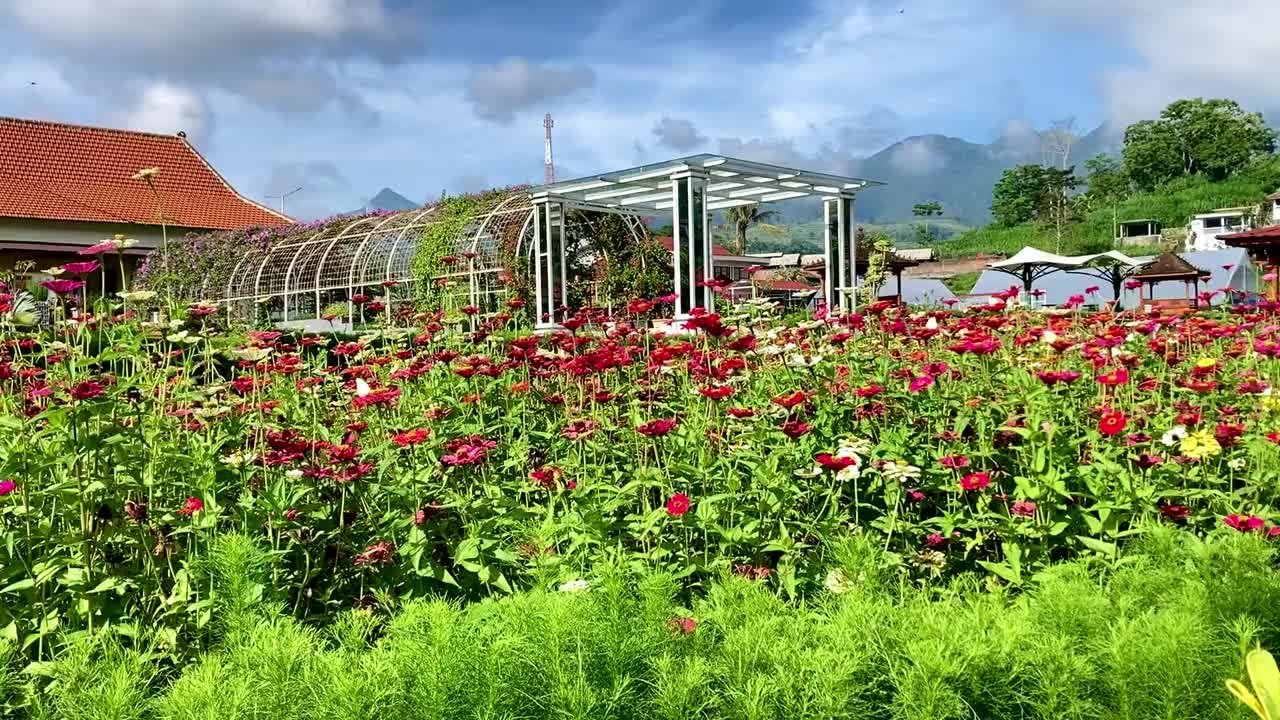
54 171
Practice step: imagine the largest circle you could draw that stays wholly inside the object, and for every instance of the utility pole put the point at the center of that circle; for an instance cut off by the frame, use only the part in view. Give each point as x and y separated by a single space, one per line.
281 197
548 164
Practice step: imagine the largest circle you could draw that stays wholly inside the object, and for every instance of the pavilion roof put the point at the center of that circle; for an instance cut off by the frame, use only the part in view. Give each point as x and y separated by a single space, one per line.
1169 266
732 182
1269 235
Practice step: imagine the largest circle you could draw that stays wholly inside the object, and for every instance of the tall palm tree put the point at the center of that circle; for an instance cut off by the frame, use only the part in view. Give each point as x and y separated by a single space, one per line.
743 217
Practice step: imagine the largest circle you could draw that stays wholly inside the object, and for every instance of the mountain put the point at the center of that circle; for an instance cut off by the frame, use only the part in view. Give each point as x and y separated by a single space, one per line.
388 199
955 172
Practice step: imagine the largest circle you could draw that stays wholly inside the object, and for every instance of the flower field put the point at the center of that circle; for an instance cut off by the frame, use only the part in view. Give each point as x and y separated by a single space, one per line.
439 458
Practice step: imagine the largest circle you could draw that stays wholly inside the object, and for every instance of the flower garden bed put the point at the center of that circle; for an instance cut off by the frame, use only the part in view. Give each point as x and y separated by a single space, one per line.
423 462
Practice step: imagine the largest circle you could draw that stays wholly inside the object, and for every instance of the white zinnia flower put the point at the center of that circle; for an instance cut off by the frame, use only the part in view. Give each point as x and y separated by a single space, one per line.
252 354
575 586
900 470
837 582
1174 436
932 324
137 295
1236 463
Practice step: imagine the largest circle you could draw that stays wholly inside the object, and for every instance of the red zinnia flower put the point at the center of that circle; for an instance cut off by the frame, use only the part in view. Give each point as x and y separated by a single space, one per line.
794 428
657 428
1119 376
975 481
678 505
86 390
739 412
1112 423
835 463
1176 513
716 392
954 462
411 437
790 400
192 506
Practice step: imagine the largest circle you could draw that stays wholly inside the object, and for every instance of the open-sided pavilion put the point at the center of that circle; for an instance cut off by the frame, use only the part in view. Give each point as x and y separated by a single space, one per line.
690 189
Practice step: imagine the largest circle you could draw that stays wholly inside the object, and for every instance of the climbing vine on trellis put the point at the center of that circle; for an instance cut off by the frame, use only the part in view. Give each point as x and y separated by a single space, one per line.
449 219
878 246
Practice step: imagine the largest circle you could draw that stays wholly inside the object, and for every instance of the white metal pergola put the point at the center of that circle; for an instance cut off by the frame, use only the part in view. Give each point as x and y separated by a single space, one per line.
691 189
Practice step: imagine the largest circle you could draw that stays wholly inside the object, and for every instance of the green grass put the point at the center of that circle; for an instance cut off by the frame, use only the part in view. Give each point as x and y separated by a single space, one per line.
962 283
1173 205
1153 634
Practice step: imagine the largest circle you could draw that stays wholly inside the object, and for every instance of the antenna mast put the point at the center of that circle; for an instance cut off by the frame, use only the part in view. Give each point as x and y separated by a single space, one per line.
548 165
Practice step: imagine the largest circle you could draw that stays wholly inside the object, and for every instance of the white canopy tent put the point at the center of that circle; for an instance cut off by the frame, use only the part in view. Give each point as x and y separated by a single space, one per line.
1030 264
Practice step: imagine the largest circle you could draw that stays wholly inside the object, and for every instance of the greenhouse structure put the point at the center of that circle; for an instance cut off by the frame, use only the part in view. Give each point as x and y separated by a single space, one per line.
376 263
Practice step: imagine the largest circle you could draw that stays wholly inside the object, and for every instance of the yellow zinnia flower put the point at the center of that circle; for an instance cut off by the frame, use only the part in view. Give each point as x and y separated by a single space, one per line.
1200 444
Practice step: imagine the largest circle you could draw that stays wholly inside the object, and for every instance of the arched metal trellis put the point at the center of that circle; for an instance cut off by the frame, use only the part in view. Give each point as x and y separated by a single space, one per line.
300 276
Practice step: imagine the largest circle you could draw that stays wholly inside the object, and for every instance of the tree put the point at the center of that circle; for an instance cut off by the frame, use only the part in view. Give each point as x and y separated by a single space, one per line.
1109 183
1029 193
924 233
1107 179
1055 202
1215 138
1018 195
1056 143
743 217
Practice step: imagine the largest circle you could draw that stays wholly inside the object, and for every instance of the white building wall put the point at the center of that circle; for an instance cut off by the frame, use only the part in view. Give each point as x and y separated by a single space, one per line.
1202 239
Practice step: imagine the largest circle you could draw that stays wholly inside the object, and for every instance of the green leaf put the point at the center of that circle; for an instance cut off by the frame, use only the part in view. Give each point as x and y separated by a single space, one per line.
1099 546
24 584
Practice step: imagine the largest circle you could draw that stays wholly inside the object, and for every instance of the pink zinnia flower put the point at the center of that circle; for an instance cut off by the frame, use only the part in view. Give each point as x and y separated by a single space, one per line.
1023 508
682 625
192 506
955 462
975 481
7 487
379 553
920 383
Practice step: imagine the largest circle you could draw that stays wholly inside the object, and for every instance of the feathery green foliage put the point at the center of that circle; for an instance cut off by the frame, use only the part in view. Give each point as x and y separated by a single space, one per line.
1154 634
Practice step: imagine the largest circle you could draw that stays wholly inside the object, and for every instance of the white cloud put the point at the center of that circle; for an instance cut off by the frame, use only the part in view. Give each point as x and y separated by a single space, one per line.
499 91
917 156
678 134
1186 48
166 108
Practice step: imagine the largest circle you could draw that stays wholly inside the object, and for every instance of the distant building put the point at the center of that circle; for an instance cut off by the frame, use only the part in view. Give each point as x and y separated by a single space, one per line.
1204 229
724 264
66 187
1143 232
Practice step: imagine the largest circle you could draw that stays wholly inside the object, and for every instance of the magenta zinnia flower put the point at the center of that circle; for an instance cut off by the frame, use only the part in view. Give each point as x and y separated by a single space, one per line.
678 505
920 383
61 286
7 487
81 268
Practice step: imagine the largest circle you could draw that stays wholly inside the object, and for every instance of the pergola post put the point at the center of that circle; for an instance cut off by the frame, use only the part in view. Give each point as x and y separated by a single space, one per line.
840 253
548 257
691 243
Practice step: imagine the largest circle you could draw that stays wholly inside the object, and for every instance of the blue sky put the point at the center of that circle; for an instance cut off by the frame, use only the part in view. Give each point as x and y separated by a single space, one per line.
346 96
